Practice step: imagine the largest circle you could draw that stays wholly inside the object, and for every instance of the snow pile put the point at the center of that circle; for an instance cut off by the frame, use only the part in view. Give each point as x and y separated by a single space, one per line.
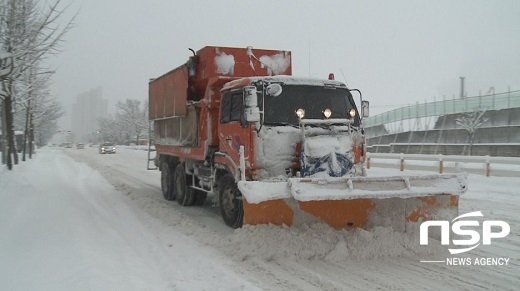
275 147
319 146
64 227
256 191
225 64
325 155
319 241
277 64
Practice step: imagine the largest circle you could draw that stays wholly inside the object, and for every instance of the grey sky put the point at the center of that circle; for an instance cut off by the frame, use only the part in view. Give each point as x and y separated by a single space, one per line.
395 52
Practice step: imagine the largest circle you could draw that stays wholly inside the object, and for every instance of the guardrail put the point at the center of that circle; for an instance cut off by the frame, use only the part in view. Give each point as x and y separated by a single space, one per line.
500 166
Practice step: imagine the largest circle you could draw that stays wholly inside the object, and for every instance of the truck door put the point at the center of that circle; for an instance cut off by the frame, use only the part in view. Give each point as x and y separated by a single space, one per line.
233 128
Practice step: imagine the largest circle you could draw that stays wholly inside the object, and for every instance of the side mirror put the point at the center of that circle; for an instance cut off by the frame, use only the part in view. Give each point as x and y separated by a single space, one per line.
365 108
251 110
274 90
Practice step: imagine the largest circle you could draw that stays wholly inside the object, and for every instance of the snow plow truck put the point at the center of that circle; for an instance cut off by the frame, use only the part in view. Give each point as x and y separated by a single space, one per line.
270 148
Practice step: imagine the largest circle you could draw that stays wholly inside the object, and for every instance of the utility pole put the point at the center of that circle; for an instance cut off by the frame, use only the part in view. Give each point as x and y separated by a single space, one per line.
26 131
3 130
462 95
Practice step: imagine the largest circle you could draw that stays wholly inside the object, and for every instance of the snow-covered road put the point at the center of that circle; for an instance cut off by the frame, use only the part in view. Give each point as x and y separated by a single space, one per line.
97 222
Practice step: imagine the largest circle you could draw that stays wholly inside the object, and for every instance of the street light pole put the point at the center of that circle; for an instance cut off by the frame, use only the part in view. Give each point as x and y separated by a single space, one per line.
462 87
493 98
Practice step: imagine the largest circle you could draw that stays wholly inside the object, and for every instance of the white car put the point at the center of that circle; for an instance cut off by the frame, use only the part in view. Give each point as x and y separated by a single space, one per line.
107 148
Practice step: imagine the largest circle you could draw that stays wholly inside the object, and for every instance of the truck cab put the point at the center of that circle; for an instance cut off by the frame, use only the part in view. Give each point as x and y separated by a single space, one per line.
291 126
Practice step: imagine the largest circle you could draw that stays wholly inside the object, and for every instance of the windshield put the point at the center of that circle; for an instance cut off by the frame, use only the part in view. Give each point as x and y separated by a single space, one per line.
108 144
313 99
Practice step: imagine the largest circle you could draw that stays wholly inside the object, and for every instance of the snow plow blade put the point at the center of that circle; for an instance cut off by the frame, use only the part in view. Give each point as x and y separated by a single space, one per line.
356 202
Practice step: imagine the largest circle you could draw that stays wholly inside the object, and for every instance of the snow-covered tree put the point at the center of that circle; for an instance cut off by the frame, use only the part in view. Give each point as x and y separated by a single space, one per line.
129 124
109 130
133 117
28 33
37 111
471 121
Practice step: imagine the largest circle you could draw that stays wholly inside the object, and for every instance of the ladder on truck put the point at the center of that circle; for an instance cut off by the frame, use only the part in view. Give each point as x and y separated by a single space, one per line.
150 149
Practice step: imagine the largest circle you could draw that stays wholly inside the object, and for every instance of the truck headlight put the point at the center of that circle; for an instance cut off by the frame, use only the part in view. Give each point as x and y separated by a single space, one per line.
300 113
352 112
327 113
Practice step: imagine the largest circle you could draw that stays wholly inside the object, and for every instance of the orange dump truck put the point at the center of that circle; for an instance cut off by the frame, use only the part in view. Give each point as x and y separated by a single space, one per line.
270 148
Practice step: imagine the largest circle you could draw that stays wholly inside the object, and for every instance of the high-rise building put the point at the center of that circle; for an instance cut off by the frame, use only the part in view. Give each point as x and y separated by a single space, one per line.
86 111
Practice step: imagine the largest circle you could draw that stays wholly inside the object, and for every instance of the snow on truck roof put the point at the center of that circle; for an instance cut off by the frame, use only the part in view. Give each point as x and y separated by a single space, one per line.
287 80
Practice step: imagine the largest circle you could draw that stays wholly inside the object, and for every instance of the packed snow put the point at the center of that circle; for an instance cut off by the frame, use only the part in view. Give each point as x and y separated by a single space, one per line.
77 220
276 64
225 64
67 228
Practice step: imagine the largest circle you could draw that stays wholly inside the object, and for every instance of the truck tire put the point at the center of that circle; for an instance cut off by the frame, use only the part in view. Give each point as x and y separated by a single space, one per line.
185 195
230 200
167 188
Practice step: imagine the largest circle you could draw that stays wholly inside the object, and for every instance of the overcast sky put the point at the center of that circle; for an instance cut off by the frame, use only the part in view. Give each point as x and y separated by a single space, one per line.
395 52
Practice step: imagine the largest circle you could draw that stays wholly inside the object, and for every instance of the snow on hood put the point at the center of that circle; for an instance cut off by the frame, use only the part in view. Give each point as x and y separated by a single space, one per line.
275 147
327 155
319 146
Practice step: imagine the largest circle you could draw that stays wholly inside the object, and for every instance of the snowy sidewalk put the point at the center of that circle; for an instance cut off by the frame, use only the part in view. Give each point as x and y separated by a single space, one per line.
65 228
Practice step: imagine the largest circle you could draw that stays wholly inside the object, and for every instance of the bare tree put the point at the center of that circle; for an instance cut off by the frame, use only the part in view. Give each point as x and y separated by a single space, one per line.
471 121
28 34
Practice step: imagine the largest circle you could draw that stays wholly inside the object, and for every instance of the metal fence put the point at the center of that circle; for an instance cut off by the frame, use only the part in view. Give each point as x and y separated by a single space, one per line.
484 165
438 108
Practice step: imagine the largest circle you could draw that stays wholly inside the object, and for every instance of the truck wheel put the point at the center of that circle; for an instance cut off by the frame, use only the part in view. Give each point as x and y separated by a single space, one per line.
230 200
185 195
167 182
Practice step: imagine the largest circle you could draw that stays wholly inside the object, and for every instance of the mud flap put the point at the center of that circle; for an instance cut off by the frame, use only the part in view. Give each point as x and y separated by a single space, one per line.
346 203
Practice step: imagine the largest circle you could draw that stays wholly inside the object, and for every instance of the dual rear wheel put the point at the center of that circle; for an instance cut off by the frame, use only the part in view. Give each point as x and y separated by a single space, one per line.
167 181
175 186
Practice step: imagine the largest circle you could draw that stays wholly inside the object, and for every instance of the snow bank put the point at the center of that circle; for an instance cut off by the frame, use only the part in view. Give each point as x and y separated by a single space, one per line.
64 227
321 242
